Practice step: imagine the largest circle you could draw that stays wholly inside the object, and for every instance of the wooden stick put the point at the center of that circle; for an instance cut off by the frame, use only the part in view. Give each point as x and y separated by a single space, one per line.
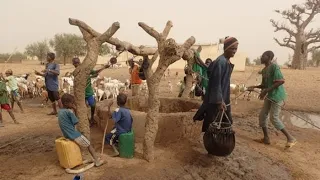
5 63
103 138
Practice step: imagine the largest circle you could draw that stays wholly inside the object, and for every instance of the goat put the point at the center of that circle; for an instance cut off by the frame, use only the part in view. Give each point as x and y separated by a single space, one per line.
107 93
67 83
23 89
127 84
40 86
99 93
45 98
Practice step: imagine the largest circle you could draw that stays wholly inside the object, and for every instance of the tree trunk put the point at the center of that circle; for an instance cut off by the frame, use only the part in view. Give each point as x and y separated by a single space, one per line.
64 60
151 127
187 89
189 79
300 56
80 82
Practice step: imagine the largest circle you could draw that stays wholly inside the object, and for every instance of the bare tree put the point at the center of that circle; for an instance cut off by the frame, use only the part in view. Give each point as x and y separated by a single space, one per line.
169 52
94 41
300 40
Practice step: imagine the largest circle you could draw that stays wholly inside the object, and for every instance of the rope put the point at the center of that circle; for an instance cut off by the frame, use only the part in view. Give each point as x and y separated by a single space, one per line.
290 111
104 135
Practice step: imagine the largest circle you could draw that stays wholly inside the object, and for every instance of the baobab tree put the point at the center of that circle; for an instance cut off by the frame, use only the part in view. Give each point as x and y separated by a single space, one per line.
94 41
300 40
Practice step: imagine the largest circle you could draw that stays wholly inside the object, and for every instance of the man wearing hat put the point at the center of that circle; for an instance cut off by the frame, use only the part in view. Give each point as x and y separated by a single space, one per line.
218 96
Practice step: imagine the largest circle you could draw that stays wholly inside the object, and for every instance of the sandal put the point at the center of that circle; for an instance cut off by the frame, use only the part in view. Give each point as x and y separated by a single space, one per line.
98 162
290 144
263 140
52 113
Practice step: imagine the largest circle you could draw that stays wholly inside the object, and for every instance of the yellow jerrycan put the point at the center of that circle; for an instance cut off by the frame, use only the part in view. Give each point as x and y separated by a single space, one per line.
69 153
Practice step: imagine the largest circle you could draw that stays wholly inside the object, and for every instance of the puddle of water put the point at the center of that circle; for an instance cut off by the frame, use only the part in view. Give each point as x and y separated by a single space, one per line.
296 121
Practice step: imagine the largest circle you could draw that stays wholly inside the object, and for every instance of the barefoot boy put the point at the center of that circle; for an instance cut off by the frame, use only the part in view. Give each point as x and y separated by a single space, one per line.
123 122
67 122
4 103
13 85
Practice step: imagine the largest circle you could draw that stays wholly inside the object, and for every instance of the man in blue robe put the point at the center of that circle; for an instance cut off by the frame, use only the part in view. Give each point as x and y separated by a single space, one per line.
218 96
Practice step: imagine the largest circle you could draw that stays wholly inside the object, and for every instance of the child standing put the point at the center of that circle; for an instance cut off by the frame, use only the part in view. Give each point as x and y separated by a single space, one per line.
68 120
13 85
123 122
4 102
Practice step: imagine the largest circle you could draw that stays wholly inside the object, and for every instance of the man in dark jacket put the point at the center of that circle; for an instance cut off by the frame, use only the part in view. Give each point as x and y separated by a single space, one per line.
218 96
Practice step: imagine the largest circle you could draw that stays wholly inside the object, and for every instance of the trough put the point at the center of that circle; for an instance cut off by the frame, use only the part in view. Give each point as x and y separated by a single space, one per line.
175 118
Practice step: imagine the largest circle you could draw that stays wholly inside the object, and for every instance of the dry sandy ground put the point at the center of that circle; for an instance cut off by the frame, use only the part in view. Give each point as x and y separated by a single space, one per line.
33 155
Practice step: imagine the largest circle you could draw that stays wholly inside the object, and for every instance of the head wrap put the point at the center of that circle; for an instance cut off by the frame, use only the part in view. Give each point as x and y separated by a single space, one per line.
229 42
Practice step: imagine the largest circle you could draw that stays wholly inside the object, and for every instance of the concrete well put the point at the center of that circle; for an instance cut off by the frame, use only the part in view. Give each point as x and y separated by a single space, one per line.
175 118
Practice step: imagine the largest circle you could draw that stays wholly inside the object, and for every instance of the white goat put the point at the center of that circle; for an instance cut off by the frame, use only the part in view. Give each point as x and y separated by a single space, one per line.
99 93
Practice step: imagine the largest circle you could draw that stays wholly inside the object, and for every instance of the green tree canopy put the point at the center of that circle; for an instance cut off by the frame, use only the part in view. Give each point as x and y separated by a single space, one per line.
68 46
38 49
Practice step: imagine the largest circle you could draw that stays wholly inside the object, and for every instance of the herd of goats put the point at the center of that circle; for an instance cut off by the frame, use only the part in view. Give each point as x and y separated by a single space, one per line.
104 87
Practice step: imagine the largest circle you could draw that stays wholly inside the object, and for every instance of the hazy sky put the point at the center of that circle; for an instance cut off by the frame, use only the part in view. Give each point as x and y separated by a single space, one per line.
27 21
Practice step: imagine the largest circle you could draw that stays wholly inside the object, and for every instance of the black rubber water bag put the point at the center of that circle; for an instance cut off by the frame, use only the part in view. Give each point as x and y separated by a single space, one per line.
219 139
